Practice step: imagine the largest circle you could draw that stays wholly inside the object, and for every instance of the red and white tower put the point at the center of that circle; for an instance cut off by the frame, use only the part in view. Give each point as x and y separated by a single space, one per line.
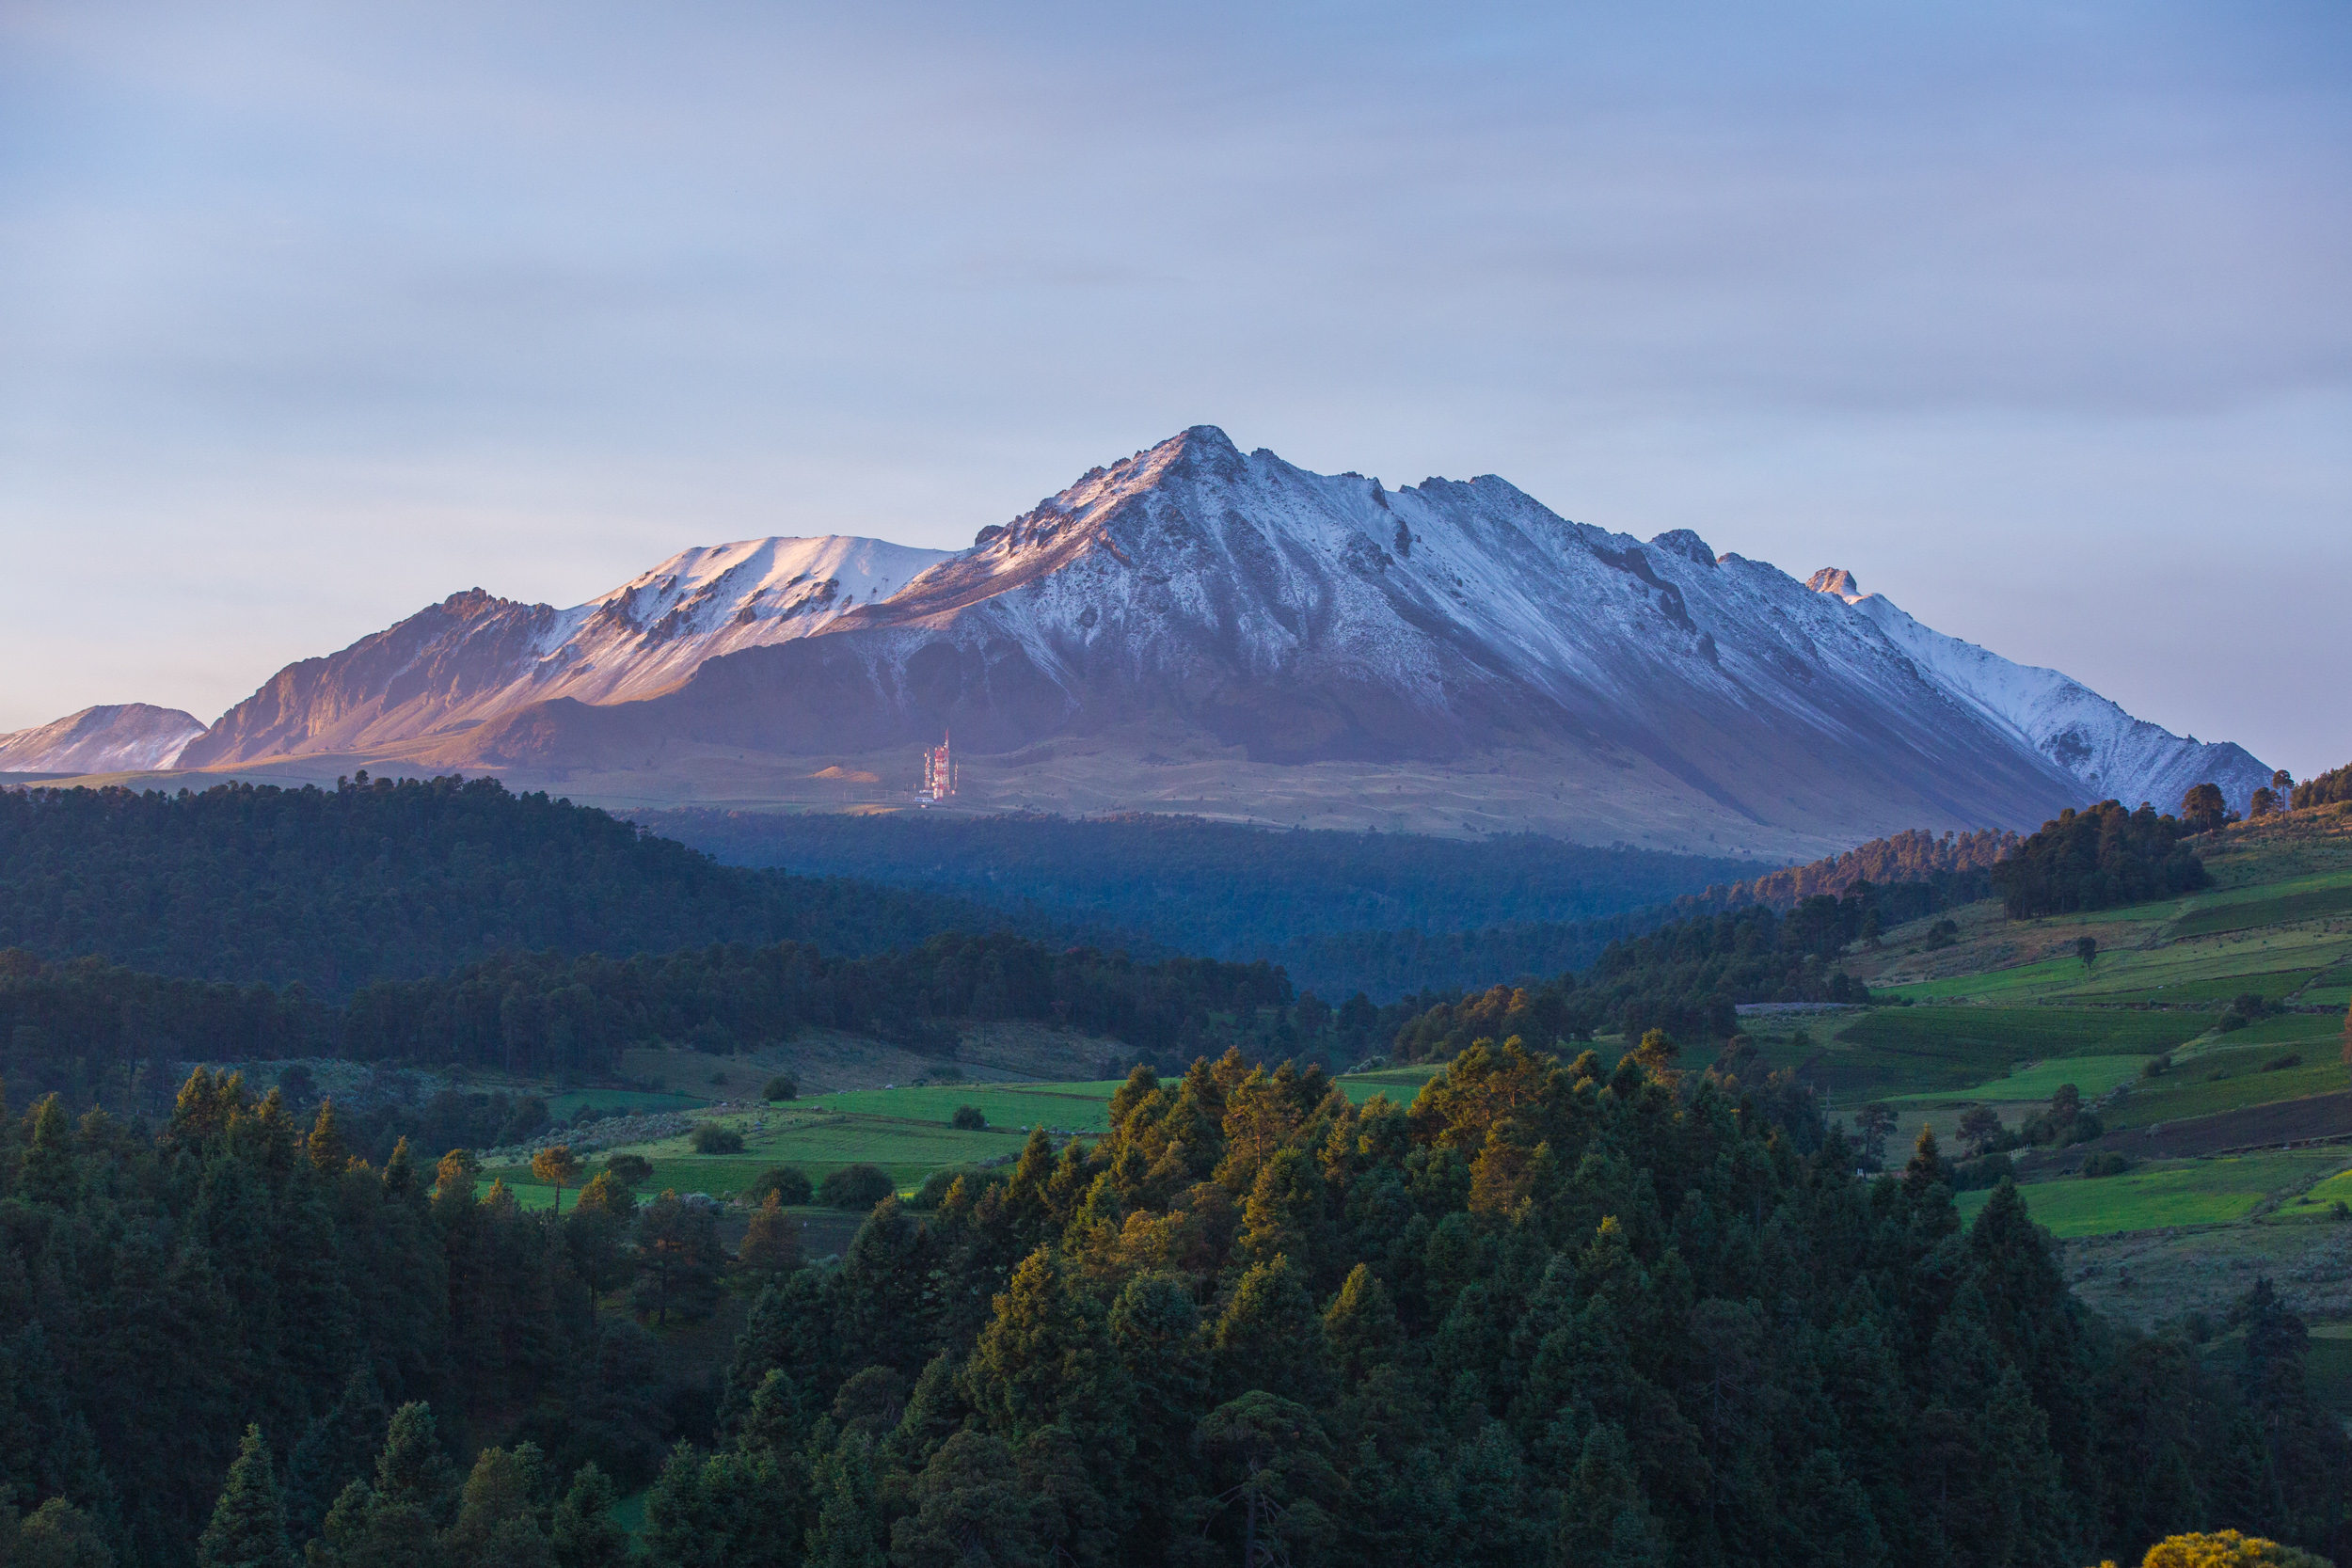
939 770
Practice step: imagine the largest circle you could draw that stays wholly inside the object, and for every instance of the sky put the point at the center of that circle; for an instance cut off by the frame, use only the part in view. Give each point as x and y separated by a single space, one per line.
2038 318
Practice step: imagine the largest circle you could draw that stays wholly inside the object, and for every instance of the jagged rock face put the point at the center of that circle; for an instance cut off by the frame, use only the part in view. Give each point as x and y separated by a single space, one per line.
1242 607
123 738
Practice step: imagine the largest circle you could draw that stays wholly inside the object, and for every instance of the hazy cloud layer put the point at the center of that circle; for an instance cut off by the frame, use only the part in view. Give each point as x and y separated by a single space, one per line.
2034 317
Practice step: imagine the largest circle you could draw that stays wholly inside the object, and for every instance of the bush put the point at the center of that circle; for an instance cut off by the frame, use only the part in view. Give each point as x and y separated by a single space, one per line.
789 1183
711 1138
2108 1163
2280 1064
629 1170
970 1118
782 1086
1981 1174
933 1192
1944 933
2156 1066
858 1186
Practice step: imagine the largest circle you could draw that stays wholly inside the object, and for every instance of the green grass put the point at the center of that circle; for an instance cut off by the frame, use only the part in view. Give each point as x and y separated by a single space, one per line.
2190 1090
1400 1083
2195 1192
2317 995
1926 1050
2211 965
2319 1203
1078 1107
2094 1075
2271 987
2276 909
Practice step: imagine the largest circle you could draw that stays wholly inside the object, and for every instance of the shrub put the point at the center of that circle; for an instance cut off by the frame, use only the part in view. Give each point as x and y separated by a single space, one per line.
2280 1064
2156 1066
2228 1550
2108 1163
782 1086
970 1118
933 1192
859 1186
1983 1173
629 1170
789 1183
711 1138
1944 933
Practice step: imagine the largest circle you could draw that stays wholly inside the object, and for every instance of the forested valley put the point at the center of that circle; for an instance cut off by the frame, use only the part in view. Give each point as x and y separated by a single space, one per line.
1603 1291
1549 1311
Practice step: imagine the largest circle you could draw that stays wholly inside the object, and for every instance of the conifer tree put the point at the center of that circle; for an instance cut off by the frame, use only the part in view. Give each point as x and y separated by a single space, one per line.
583 1534
848 1529
249 1524
772 1243
329 1153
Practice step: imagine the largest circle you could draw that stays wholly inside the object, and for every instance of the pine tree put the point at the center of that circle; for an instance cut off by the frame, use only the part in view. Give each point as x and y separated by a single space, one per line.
329 1153
1605 1522
583 1534
1360 1325
249 1524
500 1523
1269 1336
970 1508
412 1471
770 1244
848 1531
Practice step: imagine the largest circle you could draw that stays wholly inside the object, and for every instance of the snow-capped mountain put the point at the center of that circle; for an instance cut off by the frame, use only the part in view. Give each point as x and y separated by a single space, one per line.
1204 629
2115 755
122 738
455 663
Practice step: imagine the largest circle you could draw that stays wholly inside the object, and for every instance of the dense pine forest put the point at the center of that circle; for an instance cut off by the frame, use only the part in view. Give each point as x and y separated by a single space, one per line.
378 880
1550 1311
93 1030
1211 887
2098 858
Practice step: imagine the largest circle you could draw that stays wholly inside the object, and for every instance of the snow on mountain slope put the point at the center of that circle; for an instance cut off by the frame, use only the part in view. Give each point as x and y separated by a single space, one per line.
2115 755
1309 619
123 738
1198 628
456 663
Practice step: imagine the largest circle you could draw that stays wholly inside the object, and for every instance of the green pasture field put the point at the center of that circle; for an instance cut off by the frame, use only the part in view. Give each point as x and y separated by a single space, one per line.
2191 1191
2273 987
2188 1091
2094 1075
1400 1083
2278 904
2211 964
2318 1204
2318 995
1083 1107
1897 1050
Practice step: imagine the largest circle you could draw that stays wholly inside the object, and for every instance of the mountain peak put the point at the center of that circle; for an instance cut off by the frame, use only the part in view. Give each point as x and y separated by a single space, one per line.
1834 579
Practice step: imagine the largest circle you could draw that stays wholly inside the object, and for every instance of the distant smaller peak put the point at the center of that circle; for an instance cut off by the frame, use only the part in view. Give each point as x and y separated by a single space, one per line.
1689 546
1834 579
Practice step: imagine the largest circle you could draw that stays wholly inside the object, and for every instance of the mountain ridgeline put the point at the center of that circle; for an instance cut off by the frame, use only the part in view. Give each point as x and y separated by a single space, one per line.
1195 626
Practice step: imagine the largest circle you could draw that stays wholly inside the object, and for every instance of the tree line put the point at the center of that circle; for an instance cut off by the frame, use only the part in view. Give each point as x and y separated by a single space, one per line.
89 1029
333 888
2099 857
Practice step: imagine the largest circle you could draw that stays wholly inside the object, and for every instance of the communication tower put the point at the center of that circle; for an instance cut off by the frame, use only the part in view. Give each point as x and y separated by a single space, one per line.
939 770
